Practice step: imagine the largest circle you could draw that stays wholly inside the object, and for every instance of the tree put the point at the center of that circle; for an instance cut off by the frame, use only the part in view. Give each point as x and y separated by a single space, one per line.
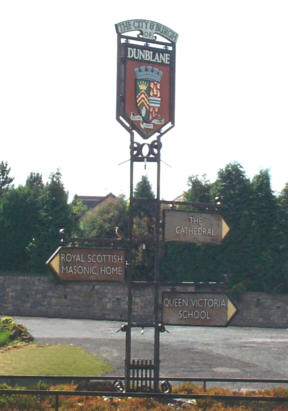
264 234
234 189
101 221
199 189
54 214
18 220
35 182
264 206
78 209
144 211
282 201
143 189
5 179
30 218
145 207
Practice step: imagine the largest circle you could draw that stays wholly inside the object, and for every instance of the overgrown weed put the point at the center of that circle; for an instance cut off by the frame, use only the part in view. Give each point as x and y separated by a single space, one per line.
85 403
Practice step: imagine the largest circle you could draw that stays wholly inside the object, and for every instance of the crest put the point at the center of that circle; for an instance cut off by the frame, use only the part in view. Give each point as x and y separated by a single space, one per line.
148 97
147 92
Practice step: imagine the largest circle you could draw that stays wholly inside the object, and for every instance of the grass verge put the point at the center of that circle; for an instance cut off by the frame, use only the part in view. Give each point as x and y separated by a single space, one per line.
59 360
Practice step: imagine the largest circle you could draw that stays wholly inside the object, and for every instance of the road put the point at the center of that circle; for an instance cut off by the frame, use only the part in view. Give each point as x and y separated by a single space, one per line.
222 352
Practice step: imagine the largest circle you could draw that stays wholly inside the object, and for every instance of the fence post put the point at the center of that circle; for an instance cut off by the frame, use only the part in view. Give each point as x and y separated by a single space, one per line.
57 402
204 386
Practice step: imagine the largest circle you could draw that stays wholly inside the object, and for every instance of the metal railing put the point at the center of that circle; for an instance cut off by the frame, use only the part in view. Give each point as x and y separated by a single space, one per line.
12 379
169 396
33 379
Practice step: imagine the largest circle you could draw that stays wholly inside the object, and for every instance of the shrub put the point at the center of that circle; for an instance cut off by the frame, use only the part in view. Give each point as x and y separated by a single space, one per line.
4 337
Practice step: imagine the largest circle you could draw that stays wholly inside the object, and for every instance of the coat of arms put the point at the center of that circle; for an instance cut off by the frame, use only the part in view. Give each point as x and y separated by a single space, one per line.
148 98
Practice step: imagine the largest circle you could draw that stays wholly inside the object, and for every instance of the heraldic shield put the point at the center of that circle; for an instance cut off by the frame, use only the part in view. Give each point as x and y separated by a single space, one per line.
148 98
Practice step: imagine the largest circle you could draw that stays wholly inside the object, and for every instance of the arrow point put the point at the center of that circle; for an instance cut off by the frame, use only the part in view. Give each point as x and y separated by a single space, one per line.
225 229
55 263
231 311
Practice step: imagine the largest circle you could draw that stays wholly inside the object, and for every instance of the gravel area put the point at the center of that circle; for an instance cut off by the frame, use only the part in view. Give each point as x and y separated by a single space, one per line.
228 352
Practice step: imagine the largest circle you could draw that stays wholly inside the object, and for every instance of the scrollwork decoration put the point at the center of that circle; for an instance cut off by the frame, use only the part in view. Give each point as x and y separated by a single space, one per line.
145 151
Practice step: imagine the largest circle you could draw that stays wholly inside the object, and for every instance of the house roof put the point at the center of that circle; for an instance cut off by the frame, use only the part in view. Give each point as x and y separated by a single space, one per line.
93 201
180 197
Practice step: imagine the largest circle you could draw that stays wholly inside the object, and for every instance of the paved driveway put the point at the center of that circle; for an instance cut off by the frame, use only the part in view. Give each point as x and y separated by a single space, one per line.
231 352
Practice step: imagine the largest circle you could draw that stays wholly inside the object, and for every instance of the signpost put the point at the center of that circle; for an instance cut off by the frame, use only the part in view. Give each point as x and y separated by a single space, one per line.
204 309
193 227
145 108
88 264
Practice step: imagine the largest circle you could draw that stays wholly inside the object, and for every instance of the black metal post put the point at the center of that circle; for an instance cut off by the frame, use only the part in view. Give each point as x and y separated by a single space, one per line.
157 279
130 297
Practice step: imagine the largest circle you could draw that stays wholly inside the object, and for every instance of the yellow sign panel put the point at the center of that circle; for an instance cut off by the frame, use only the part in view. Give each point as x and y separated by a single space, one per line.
192 227
203 309
88 264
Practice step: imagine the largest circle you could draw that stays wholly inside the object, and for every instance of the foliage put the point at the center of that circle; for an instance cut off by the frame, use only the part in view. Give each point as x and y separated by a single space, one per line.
78 402
264 234
143 230
78 209
250 252
253 256
5 179
13 333
4 337
18 220
282 221
143 189
199 189
235 191
55 214
30 219
35 182
101 222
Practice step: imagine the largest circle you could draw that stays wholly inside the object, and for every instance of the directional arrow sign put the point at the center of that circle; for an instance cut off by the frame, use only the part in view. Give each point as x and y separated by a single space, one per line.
88 264
190 227
197 309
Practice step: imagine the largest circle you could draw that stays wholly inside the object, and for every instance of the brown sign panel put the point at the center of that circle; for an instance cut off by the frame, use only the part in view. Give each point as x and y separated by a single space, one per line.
146 79
192 227
88 264
197 309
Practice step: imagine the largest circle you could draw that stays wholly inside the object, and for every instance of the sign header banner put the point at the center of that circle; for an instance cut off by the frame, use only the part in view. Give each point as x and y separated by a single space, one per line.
147 28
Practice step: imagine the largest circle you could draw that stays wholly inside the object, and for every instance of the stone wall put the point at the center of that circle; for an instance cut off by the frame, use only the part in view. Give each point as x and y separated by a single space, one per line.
262 310
43 297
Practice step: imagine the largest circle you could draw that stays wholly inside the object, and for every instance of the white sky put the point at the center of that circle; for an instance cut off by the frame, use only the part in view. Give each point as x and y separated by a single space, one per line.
58 91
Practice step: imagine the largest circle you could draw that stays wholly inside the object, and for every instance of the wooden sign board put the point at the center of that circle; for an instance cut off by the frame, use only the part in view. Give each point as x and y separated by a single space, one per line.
185 226
202 309
88 264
